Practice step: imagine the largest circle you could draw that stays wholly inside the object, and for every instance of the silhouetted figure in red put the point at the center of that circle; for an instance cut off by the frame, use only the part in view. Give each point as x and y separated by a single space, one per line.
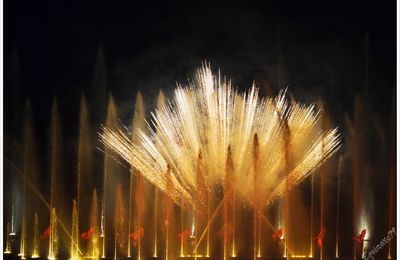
360 238
88 234
321 237
276 236
137 235
46 233
184 235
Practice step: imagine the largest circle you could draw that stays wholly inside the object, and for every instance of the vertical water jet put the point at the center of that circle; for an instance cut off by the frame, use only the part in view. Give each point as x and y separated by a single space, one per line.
74 251
208 221
312 218
160 105
22 246
119 222
324 198
139 212
8 249
94 250
128 253
358 148
227 197
53 238
256 158
138 124
233 254
340 165
35 251
199 216
12 136
84 171
55 171
168 213
29 174
110 173
55 155
13 201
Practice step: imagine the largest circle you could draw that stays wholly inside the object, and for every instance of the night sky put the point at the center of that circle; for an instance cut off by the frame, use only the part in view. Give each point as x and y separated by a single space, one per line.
328 50
150 45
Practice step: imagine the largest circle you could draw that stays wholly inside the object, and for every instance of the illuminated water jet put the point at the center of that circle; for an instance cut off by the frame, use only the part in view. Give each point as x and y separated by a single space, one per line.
338 205
138 124
53 238
74 252
35 251
160 104
94 249
8 249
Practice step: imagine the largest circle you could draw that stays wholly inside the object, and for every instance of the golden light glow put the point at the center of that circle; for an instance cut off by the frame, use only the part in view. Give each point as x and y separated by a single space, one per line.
209 115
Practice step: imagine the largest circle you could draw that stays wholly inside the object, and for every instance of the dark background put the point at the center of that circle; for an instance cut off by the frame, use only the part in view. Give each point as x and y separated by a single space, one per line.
150 45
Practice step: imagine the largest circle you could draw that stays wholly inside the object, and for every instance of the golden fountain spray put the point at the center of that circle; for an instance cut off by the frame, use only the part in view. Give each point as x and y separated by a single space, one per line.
35 252
53 238
22 247
160 104
209 115
340 165
108 165
74 252
139 124
8 249
94 223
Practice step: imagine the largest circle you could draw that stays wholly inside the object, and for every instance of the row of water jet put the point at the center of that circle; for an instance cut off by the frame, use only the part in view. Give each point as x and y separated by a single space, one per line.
82 175
198 229
28 238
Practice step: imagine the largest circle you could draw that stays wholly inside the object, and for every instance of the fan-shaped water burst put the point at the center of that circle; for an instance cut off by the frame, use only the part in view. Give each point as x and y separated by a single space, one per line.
210 116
